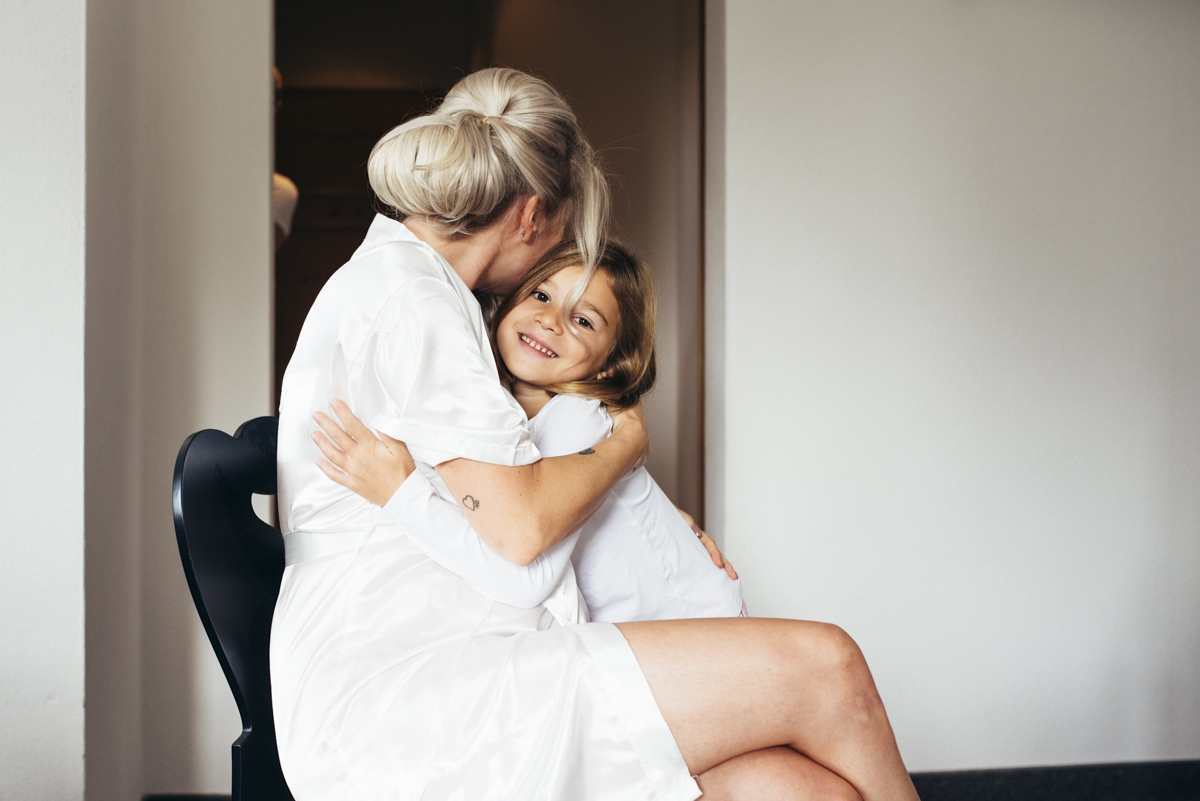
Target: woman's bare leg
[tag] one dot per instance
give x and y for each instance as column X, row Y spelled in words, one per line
column 778, row 774
column 731, row 686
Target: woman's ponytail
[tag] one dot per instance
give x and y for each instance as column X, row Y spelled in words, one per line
column 499, row 135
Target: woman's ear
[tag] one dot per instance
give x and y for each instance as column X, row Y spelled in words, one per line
column 530, row 216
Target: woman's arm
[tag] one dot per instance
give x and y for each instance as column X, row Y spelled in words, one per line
column 518, row 511
column 444, row 535
column 521, row 511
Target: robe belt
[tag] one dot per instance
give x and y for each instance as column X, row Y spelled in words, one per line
column 301, row 546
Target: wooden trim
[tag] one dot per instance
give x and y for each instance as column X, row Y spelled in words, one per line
column 1131, row 781
column 702, row 389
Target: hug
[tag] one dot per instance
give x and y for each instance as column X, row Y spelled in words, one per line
column 486, row 595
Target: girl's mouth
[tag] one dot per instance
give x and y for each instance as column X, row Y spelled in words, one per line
column 538, row 346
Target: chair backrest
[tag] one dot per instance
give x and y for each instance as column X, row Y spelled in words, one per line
column 234, row 563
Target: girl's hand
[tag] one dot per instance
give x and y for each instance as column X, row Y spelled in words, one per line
column 367, row 465
column 631, row 422
column 718, row 559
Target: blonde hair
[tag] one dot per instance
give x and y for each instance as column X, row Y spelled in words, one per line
column 499, row 136
column 631, row 367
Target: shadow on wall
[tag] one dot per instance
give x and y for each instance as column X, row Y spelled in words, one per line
column 178, row 340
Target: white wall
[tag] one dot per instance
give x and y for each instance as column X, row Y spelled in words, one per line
column 631, row 70
column 41, row 357
column 958, row 385
column 178, row 333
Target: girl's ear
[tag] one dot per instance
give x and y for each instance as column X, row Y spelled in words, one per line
column 604, row 374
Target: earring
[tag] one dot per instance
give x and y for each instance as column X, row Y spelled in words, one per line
column 522, row 233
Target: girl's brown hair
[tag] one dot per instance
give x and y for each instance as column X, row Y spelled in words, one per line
column 630, row 369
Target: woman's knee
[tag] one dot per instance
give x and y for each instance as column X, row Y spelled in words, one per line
column 835, row 656
column 829, row 647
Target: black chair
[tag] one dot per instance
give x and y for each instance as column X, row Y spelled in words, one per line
column 234, row 563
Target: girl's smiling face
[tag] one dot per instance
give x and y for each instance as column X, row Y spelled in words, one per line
column 536, row 343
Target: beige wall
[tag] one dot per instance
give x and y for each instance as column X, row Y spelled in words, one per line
column 956, row 371
column 178, row 327
column 41, row 357
column 631, row 71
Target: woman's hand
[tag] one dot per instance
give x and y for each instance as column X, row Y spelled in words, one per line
column 631, row 422
column 718, row 558
column 368, row 465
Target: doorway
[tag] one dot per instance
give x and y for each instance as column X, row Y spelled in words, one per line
column 631, row 70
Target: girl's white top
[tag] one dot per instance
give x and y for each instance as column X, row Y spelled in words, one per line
column 392, row 678
column 635, row 558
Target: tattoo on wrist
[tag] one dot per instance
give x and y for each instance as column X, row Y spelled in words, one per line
column 470, row 502
column 587, row 451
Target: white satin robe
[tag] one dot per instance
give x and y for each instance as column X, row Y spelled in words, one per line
column 392, row 678
column 634, row 559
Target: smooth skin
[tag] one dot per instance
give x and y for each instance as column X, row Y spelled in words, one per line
column 734, row 690
column 542, row 342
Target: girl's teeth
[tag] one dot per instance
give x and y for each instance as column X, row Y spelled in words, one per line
column 536, row 346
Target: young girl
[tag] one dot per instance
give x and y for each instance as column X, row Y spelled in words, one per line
column 565, row 349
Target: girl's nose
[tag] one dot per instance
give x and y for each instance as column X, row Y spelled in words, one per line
column 550, row 320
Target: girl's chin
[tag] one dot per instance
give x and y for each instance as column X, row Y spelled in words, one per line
column 523, row 388
column 529, row 373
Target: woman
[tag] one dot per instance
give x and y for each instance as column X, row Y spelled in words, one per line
column 391, row 677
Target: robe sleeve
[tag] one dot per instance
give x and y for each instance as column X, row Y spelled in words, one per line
column 441, row 395
column 568, row 425
column 441, row 531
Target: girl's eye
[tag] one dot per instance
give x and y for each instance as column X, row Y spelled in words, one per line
column 540, row 295
column 583, row 322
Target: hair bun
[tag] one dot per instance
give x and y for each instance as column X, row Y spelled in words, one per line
column 499, row 135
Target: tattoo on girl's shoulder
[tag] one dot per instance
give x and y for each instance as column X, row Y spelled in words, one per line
column 470, row 502
column 587, row 451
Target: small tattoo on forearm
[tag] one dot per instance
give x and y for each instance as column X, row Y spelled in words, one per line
column 470, row 502
column 587, row 451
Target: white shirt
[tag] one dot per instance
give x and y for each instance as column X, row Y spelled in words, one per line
column 635, row 559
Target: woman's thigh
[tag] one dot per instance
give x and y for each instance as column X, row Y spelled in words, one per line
column 779, row 774
column 730, row 686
